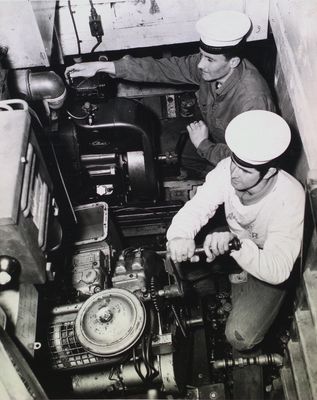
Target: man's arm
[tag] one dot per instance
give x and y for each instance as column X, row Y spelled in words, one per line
column 181, row 249
column 89, row 69
column 215, row 152
column 274, row 263
column 197, row 212
column 198, row 134
column 173, row 70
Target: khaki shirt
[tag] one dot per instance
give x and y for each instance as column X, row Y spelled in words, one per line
column 244, row 90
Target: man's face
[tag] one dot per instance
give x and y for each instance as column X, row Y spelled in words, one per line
column 243, row 178
column 213, row 66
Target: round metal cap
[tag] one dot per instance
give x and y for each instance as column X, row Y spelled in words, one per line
column 110, row 322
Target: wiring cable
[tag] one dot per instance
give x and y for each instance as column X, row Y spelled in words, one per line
column 154, row 373
column 96, row 45
column 74, row 25
column 136, row 363
column 82, row 117
column 144, row 359
column 94, row 19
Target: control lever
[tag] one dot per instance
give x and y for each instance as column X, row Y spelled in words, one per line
column 174, row 269
column 234, row 244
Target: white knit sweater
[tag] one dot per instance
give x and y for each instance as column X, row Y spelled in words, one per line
column 270, row 230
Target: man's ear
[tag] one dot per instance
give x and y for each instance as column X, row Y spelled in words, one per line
column 234, row 62
column 270, row 173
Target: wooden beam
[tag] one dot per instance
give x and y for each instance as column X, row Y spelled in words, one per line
column 308, row 342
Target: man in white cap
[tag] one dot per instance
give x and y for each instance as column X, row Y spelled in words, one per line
column 264, row 208
column 228, row 84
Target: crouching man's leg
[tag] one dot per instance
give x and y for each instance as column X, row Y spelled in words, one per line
column 255, row 305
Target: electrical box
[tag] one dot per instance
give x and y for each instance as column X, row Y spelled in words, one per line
column 27, row 29
column 26, row 193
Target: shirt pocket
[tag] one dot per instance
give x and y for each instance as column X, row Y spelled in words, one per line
column 220, row 124
column 203, row 101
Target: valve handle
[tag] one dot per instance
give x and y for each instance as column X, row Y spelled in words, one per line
column 9, row 269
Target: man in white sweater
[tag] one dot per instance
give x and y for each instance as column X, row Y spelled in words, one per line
column 264, row 208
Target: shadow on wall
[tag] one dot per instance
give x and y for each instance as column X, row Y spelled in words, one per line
column 294, row 160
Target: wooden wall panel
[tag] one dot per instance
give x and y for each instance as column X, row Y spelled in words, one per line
column 44, row 12
column 294, row 27
column 142, row 23
column 296, row 161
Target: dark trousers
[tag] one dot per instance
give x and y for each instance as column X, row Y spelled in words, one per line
column 255, row 305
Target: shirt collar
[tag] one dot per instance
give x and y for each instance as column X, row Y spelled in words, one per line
column 231, row 81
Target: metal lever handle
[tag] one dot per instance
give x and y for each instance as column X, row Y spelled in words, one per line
column 234, row 244
column 171, row 269
column 174, row 269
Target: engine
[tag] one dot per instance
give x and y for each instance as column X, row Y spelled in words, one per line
column 117, row 149
column 125, row 326
column 118, row 317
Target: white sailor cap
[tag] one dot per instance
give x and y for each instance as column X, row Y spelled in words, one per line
column 223, row 28
column 257, row 137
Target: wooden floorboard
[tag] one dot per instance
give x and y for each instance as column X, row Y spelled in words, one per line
column 308, row 342
column 298, row 370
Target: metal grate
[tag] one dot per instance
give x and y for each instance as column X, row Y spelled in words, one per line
column 66, row 352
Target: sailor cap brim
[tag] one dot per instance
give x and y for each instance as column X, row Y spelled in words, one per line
column 258, row 136
column 223, row 28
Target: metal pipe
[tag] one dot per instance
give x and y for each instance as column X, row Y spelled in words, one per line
column 100, row 167
column 66, row 309
column 102, row 172
column 122, row 377
column 263, row 359
column 168, row 158
column 198, row 250
column 86, row 158
column 192, row 322
column 169, row 291
column 46, row 85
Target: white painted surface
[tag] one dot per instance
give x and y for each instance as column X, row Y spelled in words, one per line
column 19, row 31
column 142, row 23
column 295, row 30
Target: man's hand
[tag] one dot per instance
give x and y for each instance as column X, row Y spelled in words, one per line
column 181, row 249
column 217, row 243
column 89, row 69
column 198, row 131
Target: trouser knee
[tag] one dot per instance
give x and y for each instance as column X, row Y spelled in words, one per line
column 239, row 339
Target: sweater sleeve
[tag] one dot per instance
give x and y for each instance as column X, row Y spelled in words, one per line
column 197, row 211
column 274, row 262
column 172, row 70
